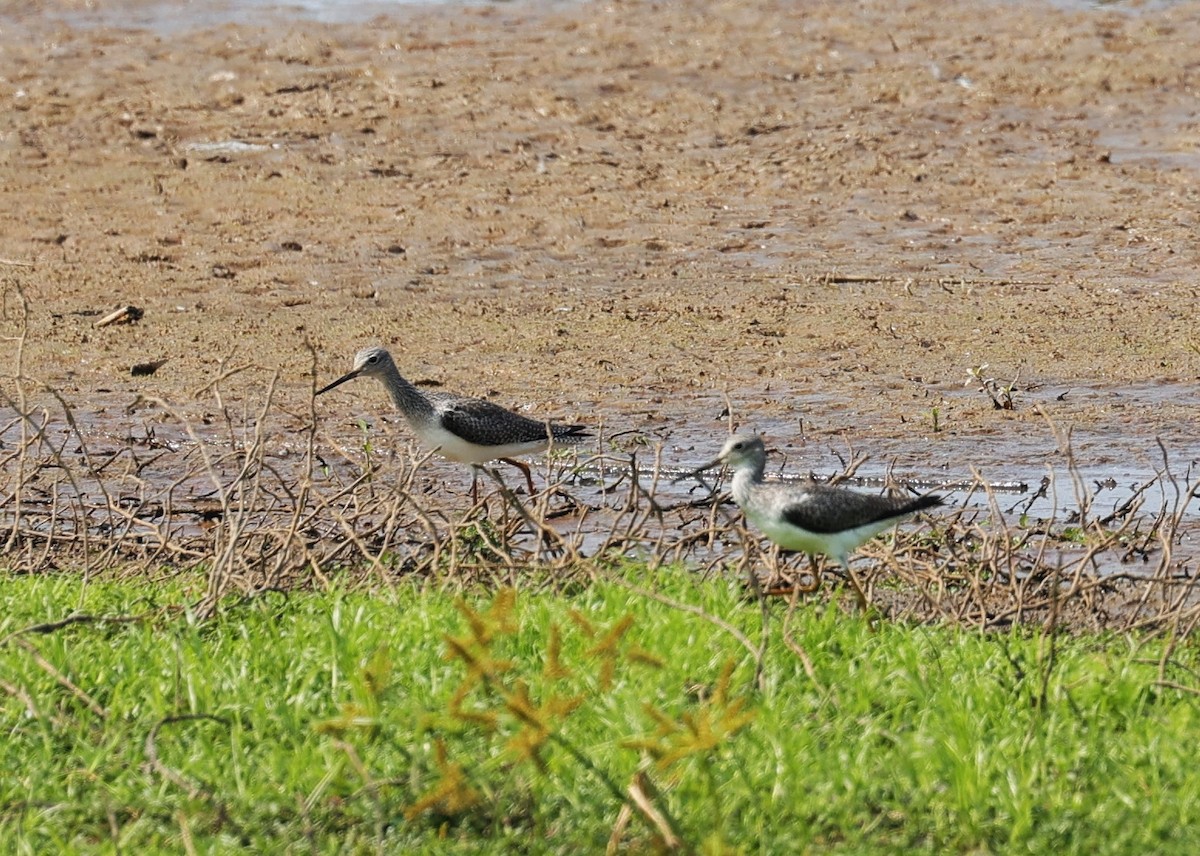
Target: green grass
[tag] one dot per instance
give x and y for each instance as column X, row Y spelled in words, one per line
column 334, row 724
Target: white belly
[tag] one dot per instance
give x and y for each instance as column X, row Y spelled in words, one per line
column 836, row 545
column 454, row 448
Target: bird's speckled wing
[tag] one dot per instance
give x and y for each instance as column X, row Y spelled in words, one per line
column 825, row 510
column 484, row 423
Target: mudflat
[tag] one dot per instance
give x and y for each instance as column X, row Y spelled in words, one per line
column 845, row 218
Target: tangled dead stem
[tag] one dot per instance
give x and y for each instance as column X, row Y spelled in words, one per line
column 221, row 501
column 975, row 197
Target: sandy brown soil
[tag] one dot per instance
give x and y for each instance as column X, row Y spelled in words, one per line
column 618, row 210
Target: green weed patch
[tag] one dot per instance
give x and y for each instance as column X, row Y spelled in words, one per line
column 415, row 720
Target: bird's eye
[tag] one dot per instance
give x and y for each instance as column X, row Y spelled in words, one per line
column 738, row 446
column 374, row 358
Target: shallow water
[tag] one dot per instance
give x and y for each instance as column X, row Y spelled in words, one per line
column 181, row 15
column 173, row 16
column 149, row 460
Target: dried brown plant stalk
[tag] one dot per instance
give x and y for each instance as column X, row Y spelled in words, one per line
column 167, row 493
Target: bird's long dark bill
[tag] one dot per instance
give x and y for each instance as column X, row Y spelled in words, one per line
column 715, row 462
column 338, row 382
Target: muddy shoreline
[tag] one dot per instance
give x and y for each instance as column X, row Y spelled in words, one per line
column 623, row 213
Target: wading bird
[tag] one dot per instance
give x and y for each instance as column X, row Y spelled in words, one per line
column 810, row 517
column 458, row 427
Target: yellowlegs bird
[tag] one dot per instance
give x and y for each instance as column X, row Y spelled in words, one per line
column 458, row 427
column 810, row 517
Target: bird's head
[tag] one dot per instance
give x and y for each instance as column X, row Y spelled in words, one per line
column 739, row 450
column 369, row 362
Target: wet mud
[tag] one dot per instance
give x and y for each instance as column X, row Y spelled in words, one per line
column 869, row 229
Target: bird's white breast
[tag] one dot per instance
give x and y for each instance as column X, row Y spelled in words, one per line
column 454, row 448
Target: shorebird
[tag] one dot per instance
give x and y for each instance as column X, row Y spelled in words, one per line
column 458, row 427
column 810, row 517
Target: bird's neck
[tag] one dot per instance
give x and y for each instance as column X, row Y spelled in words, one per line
column 411, row 402
column 745, row 478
